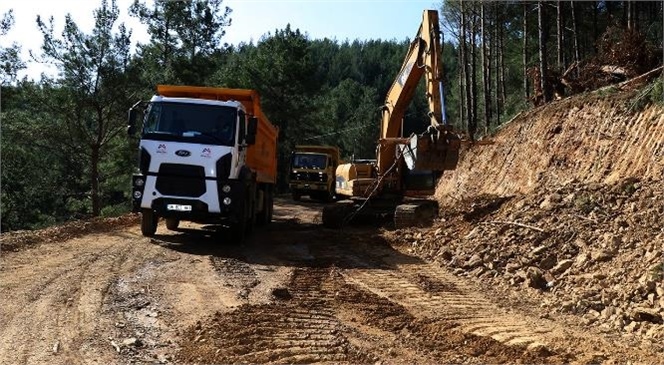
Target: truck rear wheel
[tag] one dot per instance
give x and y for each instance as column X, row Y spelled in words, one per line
column 270, row 207
column 239, row 231
column 296, row 195
column 265, row 216
column 149, row 222
column 172, row 223
column 251, row 220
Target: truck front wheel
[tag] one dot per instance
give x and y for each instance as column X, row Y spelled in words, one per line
column 172, row 223
column 148, row 222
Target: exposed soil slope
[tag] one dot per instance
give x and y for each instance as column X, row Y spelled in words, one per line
column 563, row 214
column 587, row 138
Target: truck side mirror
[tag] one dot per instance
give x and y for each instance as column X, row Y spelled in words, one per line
column 252, row 129
column 131, row 122
column 131, row 118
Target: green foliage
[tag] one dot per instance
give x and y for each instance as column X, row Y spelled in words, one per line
column 652, row 93
column 185, row 40
column 10, row 61
column 116, row 209
column 64, row 153
column 35, row 180
column 88, row 102
column 352, row 119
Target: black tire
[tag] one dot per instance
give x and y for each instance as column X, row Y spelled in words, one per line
column 172, row 223
column 270, row 207
column 149, row 222
column 251, row 220
column 296, row 195
column 265, row 215
column 239, row 231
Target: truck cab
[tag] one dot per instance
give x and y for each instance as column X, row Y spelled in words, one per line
column 312, row 172
column 194, row 162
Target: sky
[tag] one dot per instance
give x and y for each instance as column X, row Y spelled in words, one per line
column 334, row 19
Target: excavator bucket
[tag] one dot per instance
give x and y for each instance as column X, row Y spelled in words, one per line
column 433, row 152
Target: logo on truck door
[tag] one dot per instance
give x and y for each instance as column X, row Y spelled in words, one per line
column 183, row 153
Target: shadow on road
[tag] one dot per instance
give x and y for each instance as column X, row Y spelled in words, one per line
column 291, row 240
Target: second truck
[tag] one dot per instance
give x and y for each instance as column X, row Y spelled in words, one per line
column 312, row 171
column 206, row 155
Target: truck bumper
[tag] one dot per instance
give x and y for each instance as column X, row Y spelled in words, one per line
column 308, row 186
column 231, row 203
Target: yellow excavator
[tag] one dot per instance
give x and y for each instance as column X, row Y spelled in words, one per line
column 406, row 169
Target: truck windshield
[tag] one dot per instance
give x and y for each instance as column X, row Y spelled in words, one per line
column 197, row 123
column 309, row 161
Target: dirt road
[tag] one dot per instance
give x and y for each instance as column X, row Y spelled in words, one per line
column 294, row 293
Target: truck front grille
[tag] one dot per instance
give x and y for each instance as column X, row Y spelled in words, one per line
column 308, row 176
column 181, row 180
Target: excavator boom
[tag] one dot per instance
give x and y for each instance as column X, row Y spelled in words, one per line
column 422, row 56
column 437, row 148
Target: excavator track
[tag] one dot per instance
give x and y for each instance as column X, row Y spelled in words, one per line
column 415, row 214
column 336, row 215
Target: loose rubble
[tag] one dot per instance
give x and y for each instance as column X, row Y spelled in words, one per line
column 591, row 250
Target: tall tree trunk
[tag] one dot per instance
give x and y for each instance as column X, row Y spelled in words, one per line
column 635, row 15
column 576, row 38
column 473, row 69
column 595, row 28
column 486, row 71
column 526, row 92
column 559, row 35
column 501, row 66
column 466, row 70
column 462, row 94
column 542, row 51
column 496, row 62
column 94, row 180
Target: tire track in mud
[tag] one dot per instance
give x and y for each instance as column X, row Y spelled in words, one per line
column 428, row 291
column 62, row 302
column 300, row 326
column 448, row 299
column 236, row 274
column 324, row 315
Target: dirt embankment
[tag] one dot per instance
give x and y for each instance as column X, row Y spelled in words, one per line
column 588, row 139
column 563, row 212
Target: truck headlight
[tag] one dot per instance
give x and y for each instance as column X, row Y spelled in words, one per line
column 227, row 201
column 139, row 182
column 137, row 194
column 226, row 189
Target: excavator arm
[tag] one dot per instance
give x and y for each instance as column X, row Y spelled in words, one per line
column 422, row 58
column 437, row 148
